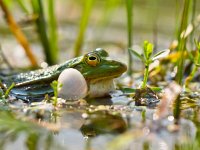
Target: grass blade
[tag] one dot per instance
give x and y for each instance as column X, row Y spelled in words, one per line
column 53, row 37
column 23, row 6
column 182, row 41
column 129, row 9
column 137, row 54
column 42, row 30
column 82, row 27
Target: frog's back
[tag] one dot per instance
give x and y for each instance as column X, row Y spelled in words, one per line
column 31, row 77
column 39, row 76
column 33, row 85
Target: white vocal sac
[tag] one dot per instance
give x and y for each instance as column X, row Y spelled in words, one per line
column 74, row 85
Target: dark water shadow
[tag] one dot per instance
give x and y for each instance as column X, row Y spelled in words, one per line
column 100, row 101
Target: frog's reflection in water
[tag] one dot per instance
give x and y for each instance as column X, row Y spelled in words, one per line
column 103, row 122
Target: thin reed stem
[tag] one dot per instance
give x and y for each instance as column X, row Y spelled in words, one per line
column 129, row 8
column 42, row 30
column 53, row 37
column 82, row 27
column 146, row 74
column 182, row 41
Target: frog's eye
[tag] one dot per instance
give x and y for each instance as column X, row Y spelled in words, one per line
column 92, row 59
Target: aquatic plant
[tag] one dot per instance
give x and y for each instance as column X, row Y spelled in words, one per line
column 55, row 85
column 82, row 27
column 22, row 4
column 147, row 58
column 129, row 9
column 52, row 30
column 4, row 93
column 143, row 114
column 8, row 90
column 182, row 39
column 49, row 41
column 196, row 61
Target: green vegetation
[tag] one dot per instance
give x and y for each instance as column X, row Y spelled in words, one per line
column 5, row 92
column 147, row 58
column 8, row 90
column 55, row 85
column 52, row 30
column 182, row 40
column 129, row 8
column 196, row 61
column 49, row 42
column 82, row 27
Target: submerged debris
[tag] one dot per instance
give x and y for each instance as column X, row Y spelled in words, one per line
column 146, row 97
column 171, row 92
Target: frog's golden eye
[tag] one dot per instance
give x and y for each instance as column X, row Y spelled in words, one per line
column 92, row 59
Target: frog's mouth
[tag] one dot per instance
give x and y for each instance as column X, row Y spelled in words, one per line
column 100, row 88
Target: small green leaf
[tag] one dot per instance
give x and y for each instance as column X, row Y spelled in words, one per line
column 137, row 54
column 128, row 90
column 161, row 54
column 9, row 89
column 148, row 49
column 156, row 89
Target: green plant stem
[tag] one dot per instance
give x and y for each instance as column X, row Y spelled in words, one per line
column 177, row 110
column 191, row 76
column 22, row 5
column 41, row 27
column 182, row 42
column 143, row 115
column 129, row 8
column 82, row 27
column 181, row 63
column 53, row 37
column 9, row 89
column 181, row 48
column 194, row 70
column 146, row 74
column 177, row 12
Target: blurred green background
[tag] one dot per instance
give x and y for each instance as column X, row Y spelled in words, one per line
column 61, row 29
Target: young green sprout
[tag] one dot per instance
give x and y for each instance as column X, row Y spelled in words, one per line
column 147, row 58
column 55, row 85
column 196, row 61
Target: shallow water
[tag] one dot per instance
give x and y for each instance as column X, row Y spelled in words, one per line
column 99, row 124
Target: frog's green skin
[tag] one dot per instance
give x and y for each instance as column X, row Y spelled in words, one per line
column 33, row 84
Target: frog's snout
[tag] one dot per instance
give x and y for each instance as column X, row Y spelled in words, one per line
column 120, row 67
column 123, row 67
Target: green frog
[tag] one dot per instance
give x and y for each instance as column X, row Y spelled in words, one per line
column 96, row 67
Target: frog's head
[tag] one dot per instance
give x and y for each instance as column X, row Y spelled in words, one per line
column 99, row 71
